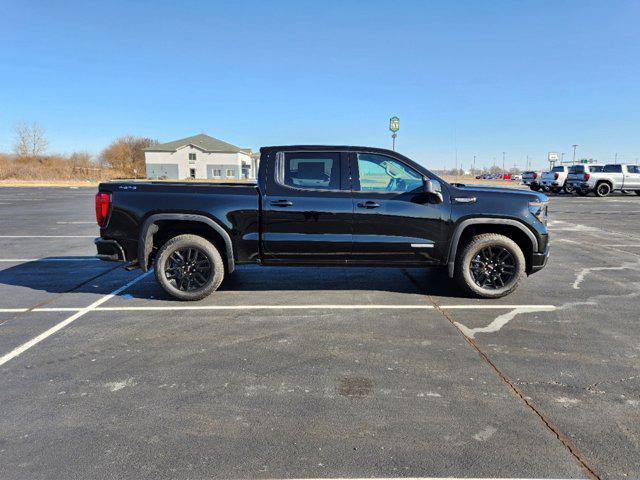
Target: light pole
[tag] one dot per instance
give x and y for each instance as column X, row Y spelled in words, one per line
column 574, row 152
column 394, row 126
column 503, row 170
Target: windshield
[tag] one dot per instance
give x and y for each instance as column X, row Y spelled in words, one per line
column 557, row 169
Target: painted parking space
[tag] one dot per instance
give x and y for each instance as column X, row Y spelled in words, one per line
column 309, row 358
column 366, row 392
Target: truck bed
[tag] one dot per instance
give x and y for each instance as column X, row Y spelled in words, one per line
column 233, row 206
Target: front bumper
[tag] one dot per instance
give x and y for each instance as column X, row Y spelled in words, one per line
column 539, row 260
column 110, row 250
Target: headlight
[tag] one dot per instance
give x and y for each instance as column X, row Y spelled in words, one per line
column 539, row 210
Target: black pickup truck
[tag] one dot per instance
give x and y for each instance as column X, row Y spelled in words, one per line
column 322, row 205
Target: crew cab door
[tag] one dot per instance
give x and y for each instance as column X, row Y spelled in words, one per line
column 632, row 177
column 307, row 212
column 394, row 221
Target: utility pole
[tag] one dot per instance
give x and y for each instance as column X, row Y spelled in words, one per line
column 574, row 152
column 503, row 170
column 615, row 158
column 474, row 164
column 528, row 163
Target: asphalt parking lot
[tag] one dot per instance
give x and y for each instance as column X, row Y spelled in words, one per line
column 326, row 372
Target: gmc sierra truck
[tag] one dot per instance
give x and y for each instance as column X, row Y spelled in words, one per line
column 322, row 205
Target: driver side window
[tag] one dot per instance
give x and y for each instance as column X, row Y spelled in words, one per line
column 379, row 173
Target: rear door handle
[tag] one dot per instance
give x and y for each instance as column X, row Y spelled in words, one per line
column 281, row 203
column 368, row 204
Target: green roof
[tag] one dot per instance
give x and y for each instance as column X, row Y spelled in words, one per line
column 202, row 141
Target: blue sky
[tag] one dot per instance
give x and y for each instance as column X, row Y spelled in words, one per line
column 523, row 77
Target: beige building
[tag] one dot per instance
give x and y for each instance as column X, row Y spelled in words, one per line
column 199, row 157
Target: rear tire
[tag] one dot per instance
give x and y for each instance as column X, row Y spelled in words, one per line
column 637, row 192
column 568, row 188
column 490, row 266
column 189, row 267
column 535, row 188
column 583, row 192
column 556, row 189
column 602, row 189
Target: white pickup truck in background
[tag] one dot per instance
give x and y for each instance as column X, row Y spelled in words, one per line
column 532, row 180
column 579, row 176
column 555, row 180
column 613, row 177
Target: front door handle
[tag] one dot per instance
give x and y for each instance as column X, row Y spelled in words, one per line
column 281, row 203
column 368, row 204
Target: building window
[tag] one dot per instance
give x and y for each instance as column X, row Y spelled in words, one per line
column 217, row 173
column 231, row 172
column 192, row 172
column 192, row 157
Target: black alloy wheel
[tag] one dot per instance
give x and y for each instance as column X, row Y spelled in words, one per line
column 493, row 267
column 603, row 189
column 188, row 269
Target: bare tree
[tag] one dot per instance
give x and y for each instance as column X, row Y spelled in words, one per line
column 30, row 140
column 126, row 154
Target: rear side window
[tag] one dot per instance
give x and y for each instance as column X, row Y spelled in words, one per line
column 612, row 169
column 576, row 169
column 557, row 169
column 310, row 170
column 633, row 169
column 595, row 168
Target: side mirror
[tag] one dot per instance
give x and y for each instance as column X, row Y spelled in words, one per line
column 431, row 190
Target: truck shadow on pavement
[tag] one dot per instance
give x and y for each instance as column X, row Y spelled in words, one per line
column 86, row 275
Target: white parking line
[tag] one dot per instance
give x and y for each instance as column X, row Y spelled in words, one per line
column 170, row 308
column 13, row 310
column 47, row 236
column 34, row 341
column 45, row 259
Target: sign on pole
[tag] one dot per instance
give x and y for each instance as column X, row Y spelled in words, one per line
column 553, row 156
column 394, row 124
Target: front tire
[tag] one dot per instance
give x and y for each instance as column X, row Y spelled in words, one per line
column 189, row 267
column 490, row 266
column 583, row 192
column 568, row 188
column 535, row 188
column 637, row 192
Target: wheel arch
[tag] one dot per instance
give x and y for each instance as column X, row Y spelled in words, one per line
column 523, row 236
column 170, row 224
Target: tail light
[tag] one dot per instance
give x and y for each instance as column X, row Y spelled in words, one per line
column 555, row 176
column 103, row 202
column 586, row 177
column 535, row 175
